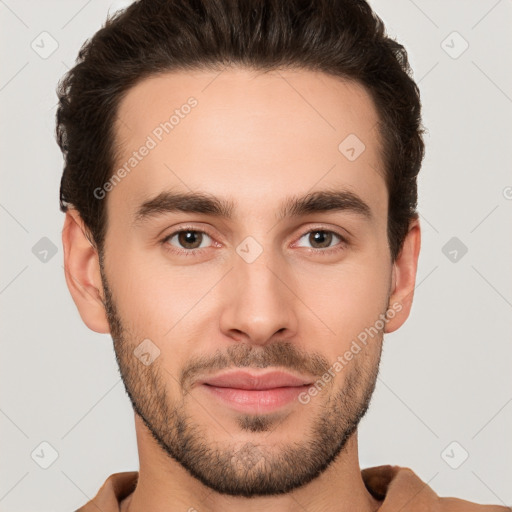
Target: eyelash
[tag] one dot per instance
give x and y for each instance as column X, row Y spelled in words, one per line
column 193, row 252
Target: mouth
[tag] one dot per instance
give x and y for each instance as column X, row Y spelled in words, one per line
column 255, row 392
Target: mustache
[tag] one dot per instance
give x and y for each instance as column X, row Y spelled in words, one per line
column 279, row 354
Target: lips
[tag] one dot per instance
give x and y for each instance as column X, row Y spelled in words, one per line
column 254, row 393
column 255, row 381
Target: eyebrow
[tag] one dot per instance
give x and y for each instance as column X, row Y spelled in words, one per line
column 295, row 206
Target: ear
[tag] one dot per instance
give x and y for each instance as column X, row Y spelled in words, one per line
column 403, row 278
column 82, row 271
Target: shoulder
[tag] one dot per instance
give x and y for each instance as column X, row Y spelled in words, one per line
column 458, row 505
column 400, row 487
column 116, row 487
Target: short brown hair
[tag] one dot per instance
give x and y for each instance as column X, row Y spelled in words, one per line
column 343, row 38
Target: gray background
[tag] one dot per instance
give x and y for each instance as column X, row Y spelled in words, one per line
column 445, row 375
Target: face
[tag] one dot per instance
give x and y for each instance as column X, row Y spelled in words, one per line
column 278, row 262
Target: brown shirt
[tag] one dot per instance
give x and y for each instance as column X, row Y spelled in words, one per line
column 398, row 488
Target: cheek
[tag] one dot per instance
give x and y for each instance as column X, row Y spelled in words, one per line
column 347, row 300
column 163, row 303
column 143, row 298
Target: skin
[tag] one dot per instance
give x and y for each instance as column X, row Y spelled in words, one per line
column 254, row 139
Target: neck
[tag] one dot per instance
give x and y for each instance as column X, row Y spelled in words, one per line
column 164, row 485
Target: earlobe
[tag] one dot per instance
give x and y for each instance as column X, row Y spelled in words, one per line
column 82, row 272
column 404, row 278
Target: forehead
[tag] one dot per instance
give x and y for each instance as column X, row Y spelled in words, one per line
column 255, row 136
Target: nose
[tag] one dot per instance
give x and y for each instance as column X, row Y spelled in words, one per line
column 259, row 303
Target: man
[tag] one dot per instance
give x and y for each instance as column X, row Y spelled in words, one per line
column 240, row 198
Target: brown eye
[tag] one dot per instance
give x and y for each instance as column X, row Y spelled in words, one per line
column 188, row 239
column 319, row 239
